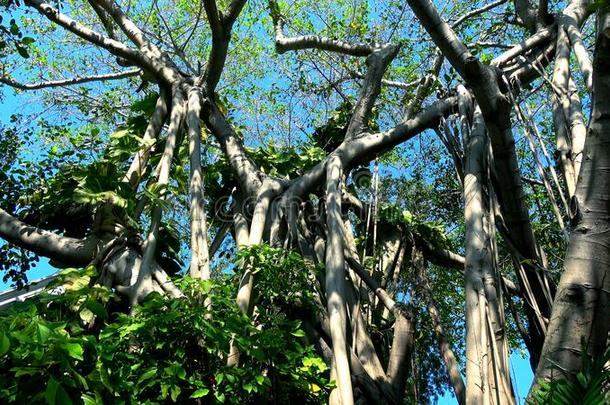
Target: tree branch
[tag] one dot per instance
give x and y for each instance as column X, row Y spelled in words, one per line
column 335, row 282
column 158, row 61
column 221, row 26
column 248, row 174
column 377, row 63
column 284, row 44
column 476, row 12
column 71, row 251
column 200, row 259
column 69, row 82
column 140, row 160
column 111, row 45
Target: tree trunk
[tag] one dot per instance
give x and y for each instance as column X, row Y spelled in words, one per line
column 581, row 307
column 487, row 378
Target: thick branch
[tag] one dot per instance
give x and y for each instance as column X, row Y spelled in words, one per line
column 140, row 160
column 366, row 147
column 71, row 251
column 248, row 174
column 200, row 260
column 158, row 61
column 145, row 271
column 132, row 31
column 69, row 82
column 221, row 25
column 114, row 47
column 540, row 38
column 377, row 64
column 284, row 44
column 335, row 282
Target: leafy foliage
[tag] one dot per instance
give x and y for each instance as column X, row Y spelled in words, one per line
column 78, row 346
column 590, row 386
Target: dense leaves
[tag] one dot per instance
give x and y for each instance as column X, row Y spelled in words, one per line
column 72, row 346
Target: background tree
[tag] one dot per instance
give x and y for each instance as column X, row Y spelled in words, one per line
column 360, row 168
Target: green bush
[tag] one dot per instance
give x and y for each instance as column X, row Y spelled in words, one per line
column 590, row 386
column 80, row 347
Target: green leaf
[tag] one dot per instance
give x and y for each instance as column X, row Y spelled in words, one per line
column 22, row 51
column 56, row 394
column 97, row 308
column 51, row 391
column 43, row 333
column 14, row 27
column 219, row 378
column 298, row 333
column 175, row 392
column 148, row 374
column 5, row 344
column 201, row 392
column 88, row 399
column 74, row 350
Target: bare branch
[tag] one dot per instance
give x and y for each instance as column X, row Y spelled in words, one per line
column 104, row 18
column 132, row 31
column 443, row 35
column 211, row 11
column 69, row 82
column 157, row 60
column 71, row 251
column 366, row 147
column 377, row 63
column 233, row 12
column 284, row 44
column 138, row 164
column 248, row 174
column 221, row 35
column 540, row 38
column 527, row 14
column 113, row 46
column 476, row 12
column 389, row 83
column 572, row 18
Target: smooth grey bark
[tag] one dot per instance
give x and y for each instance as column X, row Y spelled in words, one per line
column 70, row 82
column 249, row 176
column 487, row 374
column 144, row 271
column 582, row 304
column 254, row 235
column 453, row 369
column 200, row 258
column 70, row 251
column 570, row 130
column 377, row 63
column 526, row 12
column 335, row 282
column 403, row 339
column 284, row 44
column 153, row 129
column 221, row 25
column 490, row 92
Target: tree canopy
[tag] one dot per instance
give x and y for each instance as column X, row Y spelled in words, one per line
column 273, row 201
